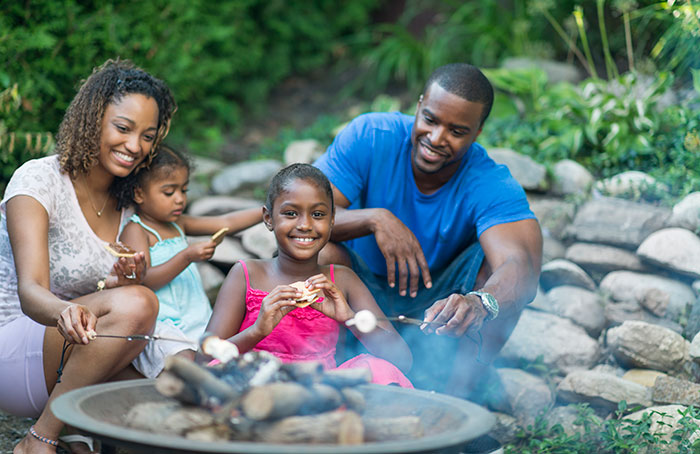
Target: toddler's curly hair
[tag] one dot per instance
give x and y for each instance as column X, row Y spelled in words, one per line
column 78, row 139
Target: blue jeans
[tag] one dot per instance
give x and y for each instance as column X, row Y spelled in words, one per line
column 433, row 355
column 457, row 277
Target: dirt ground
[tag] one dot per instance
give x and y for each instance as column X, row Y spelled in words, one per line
column 12, row 430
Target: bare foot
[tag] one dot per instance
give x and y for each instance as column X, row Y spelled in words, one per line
column 30, row 445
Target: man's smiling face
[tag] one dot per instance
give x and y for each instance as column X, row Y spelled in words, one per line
column 446, row 125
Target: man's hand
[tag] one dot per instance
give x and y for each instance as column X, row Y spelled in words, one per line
column 460, row 312
column 401, row 248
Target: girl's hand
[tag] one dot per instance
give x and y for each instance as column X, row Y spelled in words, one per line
column 274, row 306
column 127, row 271
column 74, row 322
column 334, row 305
column 200, row 252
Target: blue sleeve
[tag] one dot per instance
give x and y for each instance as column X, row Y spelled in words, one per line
column 503, row 201
column 347, row 160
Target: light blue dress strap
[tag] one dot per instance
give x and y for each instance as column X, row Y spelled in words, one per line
column 135, row 218
column 182, row 234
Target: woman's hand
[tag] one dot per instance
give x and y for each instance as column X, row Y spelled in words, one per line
column 334, row 304
column 274, row 306
column 74, row 322
column 127, row 271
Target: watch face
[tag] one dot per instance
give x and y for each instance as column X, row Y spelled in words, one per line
column 490, row 304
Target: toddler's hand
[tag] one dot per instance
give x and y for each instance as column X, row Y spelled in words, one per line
column 200, row 252
column 334, row 305
column 274, row 306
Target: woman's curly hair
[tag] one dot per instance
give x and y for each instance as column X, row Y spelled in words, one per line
column 78, row 139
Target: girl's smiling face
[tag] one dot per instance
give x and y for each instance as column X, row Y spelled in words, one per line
column 301, row 218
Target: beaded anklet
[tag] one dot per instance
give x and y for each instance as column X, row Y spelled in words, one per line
column 40, row 438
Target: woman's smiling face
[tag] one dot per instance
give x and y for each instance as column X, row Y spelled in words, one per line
column 129, row 129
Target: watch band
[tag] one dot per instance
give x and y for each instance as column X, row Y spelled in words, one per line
column 490, row 303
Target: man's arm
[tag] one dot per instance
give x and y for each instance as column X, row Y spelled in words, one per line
column 513, row 254
column 397, row 243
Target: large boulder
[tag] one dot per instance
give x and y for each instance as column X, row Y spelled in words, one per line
column 647, row 346
column 617, row 222
column 557, row 341
column 632, row 286
column 686, row 213
column 601, row 389
column 675, row 249
column 531, row 175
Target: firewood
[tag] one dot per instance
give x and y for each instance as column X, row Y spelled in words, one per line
column 323, row 398
column 353, row 399
column 274, row 400
column 214, row 433
column 340, row 378
column 171, row 386
column 398, row 428
column 167, row 417
column 341, row 427
column 304, row 372
column 207, row 389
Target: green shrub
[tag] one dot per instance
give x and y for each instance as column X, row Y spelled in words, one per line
column 615, row 435
column 220, row 58
column 17, row 146
column 609, row 127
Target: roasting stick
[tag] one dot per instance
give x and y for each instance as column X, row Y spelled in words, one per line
column 145, row 337
column 366, row 321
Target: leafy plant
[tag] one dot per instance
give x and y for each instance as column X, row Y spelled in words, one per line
column 221, row 59
column 616, row 435
column 17, row 146
column 631, row 122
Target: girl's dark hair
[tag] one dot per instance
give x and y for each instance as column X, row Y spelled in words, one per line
column 291, row 173
column 165, row 159
column 78, row 139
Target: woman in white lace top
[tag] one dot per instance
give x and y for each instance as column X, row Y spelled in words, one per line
column 57, row 215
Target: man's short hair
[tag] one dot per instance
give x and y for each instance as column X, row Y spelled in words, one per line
column 465, row 81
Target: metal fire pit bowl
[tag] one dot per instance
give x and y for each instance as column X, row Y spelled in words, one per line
column 100, row 410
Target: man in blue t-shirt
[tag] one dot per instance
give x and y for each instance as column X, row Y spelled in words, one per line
column 419, row 199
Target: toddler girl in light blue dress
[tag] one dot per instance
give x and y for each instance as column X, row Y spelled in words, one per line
column 159, row 193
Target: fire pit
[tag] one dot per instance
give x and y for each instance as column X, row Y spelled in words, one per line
column 100, row 410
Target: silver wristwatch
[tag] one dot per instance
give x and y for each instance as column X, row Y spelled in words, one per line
column 489, row 302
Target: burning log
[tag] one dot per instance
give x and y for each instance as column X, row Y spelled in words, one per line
column 341, row 427
column 171, row 386
column 278, row 400
column 305, row 372
column 255, row 397
column 353, row 399
column 399, row 428
column 341, row 378
column 199, row 386
column 274, row 400
column 168, row 417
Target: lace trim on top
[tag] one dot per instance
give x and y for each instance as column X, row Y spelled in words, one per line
column 254, row 297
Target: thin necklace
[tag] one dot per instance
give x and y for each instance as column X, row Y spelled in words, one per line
column 87, row 189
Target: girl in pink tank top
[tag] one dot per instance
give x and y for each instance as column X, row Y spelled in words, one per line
column 256, row 307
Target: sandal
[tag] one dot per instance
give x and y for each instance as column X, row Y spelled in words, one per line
column 77, row 438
